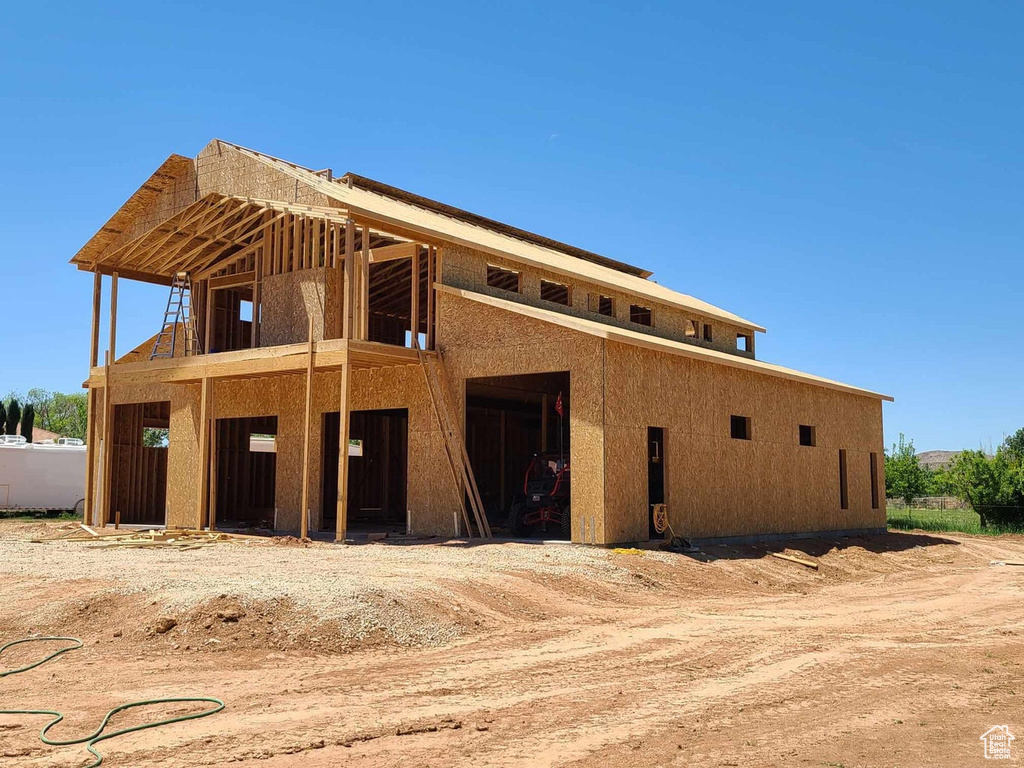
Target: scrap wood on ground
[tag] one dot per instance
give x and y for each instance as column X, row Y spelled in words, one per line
column 178, row 538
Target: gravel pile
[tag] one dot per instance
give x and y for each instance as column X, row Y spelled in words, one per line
column 404, row 593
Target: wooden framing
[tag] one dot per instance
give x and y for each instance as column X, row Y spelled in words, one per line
column 211, row 512
column 113, row 317
column 205, row 224
column 94, row 337
column 431, row 298
column 349, row 300
column 108, row 434
column 307, row 418
column 364, row 289
column 90, row 454
column 341, row 530
column 202, row 498
column 414, row 309
column 257, row 287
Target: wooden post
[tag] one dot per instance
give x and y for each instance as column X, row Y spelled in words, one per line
column 204, row 452
column 257, row 286
column 108, row 439
column 350, row 240
column 414, row 309
column 431, row 263
column 97, row 298
column 209, row 318
column 90, row 453
column 304, row 528
column 211, row 515
column 113, row 317
column 364, row 286
column 343, row 432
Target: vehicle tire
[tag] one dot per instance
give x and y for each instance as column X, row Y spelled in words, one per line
column 517, row 526
column 567, row 523
column 80, row 507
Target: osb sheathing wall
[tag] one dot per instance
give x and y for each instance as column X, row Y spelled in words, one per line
column 223, row 169
column 718, row 486
column 467, row 269
column 485, row 341
column 182, row 450
column 290, row 299
column 432, row 496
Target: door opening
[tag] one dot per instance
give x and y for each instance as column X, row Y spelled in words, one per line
column 378, row 463
column 655, row 475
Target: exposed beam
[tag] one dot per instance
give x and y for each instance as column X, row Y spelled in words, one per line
column 237, row 280
column 128, row 274
column 391, row 252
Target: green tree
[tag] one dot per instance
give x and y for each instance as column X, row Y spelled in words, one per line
column 154, row 438
column 3, row 419
column 905, row 478
column 1014, row 446
column 63, row 413
column 13, row 417
column 28, row 419
column 992, row 485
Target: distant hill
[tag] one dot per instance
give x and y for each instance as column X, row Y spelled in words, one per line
column 935, row 459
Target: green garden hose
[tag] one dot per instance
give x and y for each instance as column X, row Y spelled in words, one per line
column 97, row 736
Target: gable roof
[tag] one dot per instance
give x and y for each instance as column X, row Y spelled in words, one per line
column 173, row 168
column 458, row 213
column 390, row 207
column 386, row 210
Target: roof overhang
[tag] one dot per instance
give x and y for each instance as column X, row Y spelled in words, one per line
column 656, row 343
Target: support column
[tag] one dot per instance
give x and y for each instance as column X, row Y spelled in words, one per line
column 431, row 264
column 90, row 455
column 208, row 320
column 304, row 527
column 113, row 317
column 108, row 439
column 257, row 287
column 214, row 470
column 343, row 432
column 364, row 284
column 97, row 297
column 350, row 294
column 204, row 453
column 414, row 309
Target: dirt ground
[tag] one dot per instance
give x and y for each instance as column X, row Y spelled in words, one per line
column 902, row 650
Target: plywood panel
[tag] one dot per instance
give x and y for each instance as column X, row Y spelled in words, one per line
column 719, row 486
column 290, row 299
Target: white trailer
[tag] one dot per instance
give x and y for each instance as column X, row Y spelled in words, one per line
column 35, row 476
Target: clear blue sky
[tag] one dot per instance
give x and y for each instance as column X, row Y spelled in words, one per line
column 847, row 175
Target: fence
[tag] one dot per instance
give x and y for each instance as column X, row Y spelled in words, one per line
column 929, row 502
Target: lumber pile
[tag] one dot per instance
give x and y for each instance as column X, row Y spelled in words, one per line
column 175, row 538
column 799, row 560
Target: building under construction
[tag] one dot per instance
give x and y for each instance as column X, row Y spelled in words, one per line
column 337, row 354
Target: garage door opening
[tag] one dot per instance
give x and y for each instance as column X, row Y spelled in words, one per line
column 138, row 470
column 246, row 472
column 517, row 437
column 378, row 461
